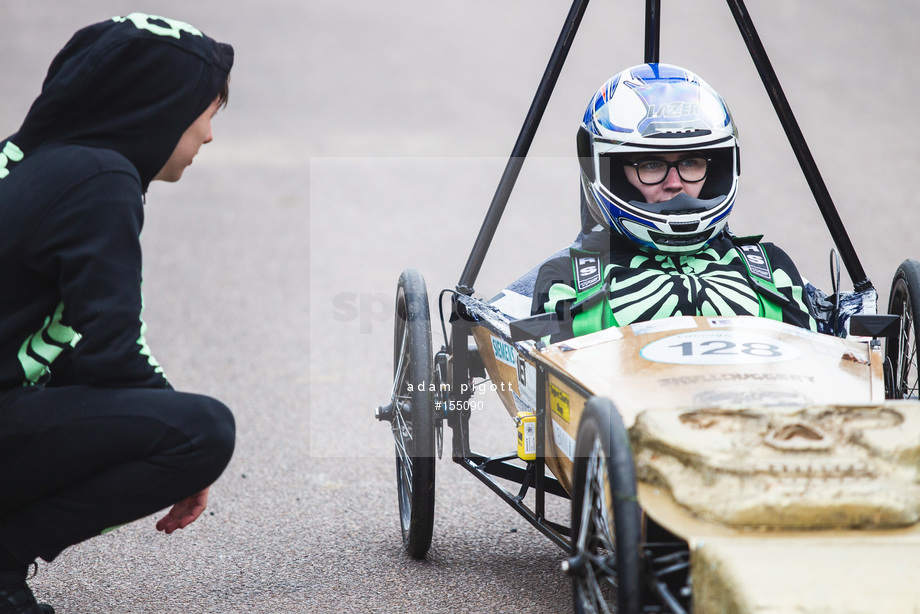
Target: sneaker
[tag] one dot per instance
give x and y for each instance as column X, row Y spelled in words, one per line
column 16, row 597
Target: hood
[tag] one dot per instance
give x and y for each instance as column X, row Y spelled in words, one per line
column 130, row 84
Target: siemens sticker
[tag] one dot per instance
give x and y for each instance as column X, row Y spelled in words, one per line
column 504, row 352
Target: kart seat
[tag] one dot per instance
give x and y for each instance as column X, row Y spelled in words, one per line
column 515, row 299
column 833, row 312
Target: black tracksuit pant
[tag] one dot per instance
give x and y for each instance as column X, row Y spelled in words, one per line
column 75, row 461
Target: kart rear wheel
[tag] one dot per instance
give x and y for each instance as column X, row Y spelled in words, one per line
column 606, row 563
column 901, row 353
column 413, row 414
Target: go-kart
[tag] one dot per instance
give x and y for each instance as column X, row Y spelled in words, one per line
column 714, row 464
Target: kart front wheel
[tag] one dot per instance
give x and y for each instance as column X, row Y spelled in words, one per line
column 412, row 414
column 606, row 564
column 901, row 353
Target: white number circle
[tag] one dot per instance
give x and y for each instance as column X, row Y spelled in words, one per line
column 718, row 348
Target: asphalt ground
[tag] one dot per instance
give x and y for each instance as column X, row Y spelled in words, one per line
column 363, row 138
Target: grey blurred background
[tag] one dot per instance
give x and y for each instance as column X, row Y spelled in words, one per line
column 363, row 138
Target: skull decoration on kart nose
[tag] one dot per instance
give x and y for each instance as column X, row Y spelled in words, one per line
column 827, row 466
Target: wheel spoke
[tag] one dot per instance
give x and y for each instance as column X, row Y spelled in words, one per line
column 406, row 468
column 902, row 354
column 587, row 500
column 910, row 374
column 402, row 433
column 595, row 593
column 600, row 517
column 402, row 430
column 402, row 366
column 404, row 456
column 907, row 383
column 594, row 542
column 600, row 563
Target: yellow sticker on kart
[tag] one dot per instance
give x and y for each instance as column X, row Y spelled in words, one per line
column 719, row 347
column 559, row 402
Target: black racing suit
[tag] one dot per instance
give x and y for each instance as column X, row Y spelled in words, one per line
column 645, row 286
column 91, row 433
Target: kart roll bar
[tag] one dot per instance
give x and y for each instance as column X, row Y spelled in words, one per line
column 858, row 276
column 652, row 37
column 652, row 30
column 521, row 147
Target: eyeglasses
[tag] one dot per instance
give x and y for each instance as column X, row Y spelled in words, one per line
column 654, row 171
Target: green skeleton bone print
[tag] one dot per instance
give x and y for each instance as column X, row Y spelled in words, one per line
column 644, row 286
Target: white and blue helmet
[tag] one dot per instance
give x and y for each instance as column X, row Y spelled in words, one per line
column 658, row 108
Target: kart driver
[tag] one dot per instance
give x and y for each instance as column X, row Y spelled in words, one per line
column 659, row 161
column 91, row 433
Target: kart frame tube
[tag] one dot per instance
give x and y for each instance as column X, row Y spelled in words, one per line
column 521, row 147
column 532, row 476
column 652, row 31
column 797, row 140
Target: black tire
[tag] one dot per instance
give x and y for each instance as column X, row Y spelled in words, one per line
column 413, row 414
column 606, row 564
column 901, row 353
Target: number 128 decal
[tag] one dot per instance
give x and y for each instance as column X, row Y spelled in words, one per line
column 718, row 348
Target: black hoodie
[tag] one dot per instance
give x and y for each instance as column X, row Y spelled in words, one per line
column 115, row 102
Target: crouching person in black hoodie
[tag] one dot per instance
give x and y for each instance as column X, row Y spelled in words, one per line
column 92, row 435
